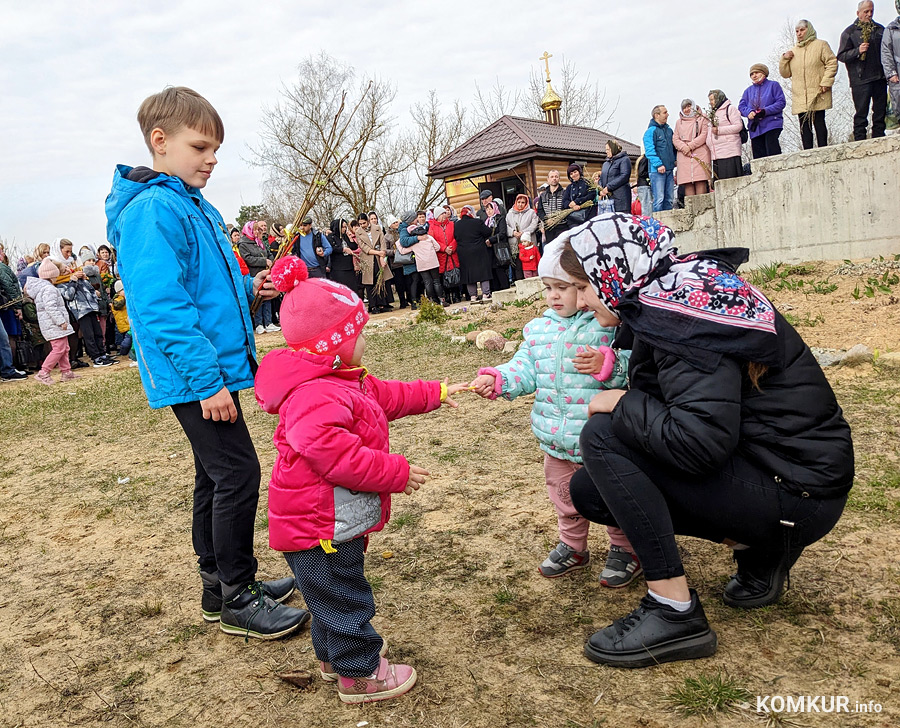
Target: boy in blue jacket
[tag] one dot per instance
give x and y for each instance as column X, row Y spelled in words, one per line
column 193, row 337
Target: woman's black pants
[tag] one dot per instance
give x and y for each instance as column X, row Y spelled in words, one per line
column 652, row 502
column 813, row 120
column 766, row 145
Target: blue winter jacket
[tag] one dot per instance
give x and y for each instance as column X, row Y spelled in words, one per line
column 187, row 299
column 658, row 146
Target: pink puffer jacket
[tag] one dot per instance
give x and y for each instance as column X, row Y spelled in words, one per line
column 334, row 472
column 728, row 142
column 690, row 144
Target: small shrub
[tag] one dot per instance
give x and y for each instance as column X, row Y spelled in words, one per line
column 150, row 609
column 430, row 312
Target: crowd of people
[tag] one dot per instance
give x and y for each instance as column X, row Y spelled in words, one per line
column 705, row 144
column 59, row 307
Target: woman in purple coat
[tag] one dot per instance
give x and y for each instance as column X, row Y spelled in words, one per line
column 763, row 103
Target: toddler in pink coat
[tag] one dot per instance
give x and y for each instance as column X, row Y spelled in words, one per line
column 334, row 473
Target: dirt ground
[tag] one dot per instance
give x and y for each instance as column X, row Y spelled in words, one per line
column 101, row 594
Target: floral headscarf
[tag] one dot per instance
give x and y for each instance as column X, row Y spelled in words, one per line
column 469, row 211
column 521, row 203
column 693, row 305
column 719, row 97
column 492, row 210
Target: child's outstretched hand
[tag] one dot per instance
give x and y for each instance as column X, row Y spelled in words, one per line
column 590, row 361
column 483, row 385
column 451, row 390
column 416, row 479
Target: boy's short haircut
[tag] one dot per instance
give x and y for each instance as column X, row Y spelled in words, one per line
column 175, row 108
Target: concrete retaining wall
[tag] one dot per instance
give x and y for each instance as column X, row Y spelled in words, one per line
column 830, row 204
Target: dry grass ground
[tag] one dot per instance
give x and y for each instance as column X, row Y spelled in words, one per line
column 100, row 598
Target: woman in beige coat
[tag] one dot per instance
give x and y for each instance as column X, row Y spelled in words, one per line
column 373, row 260
column 693, row 162
column 811, row 65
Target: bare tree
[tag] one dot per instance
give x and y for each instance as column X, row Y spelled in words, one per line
column 295, row 136
column 497, row 101
column 433, row 134
column 584, row 102
column 839, row 117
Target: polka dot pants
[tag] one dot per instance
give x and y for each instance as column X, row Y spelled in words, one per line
column 341, row 603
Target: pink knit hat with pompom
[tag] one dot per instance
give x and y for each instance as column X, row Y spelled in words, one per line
column 318, row 315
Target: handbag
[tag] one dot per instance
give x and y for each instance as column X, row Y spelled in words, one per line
column 452, row 276
column 501, row 253
column 604, row 206
column 404, row 258
column 577, row 217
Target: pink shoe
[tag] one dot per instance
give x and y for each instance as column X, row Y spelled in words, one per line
column 389, row 681
column 69, row 376
column 44, row 377
column 325, row 667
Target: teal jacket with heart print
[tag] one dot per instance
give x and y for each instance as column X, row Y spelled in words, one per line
column 544, row 365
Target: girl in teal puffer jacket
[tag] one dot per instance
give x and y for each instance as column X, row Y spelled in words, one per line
column 566, row 359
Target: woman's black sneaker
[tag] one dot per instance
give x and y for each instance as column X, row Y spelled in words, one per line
column 211, row 599
column 760, row 578
column 654, row 633
column 78, row 364
column 251, row 612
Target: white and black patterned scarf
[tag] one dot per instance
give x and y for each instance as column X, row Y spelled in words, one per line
column 693, row 305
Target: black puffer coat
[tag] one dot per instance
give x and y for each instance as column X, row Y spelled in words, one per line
column 616, row 177
column 694, row 421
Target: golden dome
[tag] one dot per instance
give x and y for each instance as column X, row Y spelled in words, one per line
column 551, row 100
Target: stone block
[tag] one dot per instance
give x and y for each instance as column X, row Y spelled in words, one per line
column 529, row 288
column 891, row 360
column 507, row 296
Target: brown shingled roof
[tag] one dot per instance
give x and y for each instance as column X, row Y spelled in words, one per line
column 514, row 136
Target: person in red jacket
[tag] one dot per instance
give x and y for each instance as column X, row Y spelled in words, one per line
column 441, row 228
column 334, row 473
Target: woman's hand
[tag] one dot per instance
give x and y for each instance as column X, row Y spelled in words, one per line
column 574, row 205
column 823, row 89
column 590, row 361
column 416, row 479
column 483, row 385
column 449, row 250
column 788, row 55
column 605, row 401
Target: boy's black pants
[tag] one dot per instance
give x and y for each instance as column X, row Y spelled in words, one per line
column 226, row 492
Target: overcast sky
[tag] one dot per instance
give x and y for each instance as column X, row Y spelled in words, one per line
column 74, row 74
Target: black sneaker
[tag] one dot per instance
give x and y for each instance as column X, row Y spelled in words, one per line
column 253, row 613
column 653, row 633
column 211, row 599
column 78, row 364
column 760, row 578
column 101, row 361
column 15, row 376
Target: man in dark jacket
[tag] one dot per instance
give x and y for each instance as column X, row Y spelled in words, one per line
column 550, row 201
column 860, row 51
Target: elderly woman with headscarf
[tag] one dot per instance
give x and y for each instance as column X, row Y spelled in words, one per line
column 729, row 432
column 615, row 178
column 724, row 137
column 693, row 165
column 812, row 66
column 253, row 247
column 499, row 239
column 475, row 257
column 442, row 229
column 521, row 225
column 763, row 104
column 890, row 59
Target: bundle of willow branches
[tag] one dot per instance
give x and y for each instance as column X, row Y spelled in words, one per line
column 326, row 167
